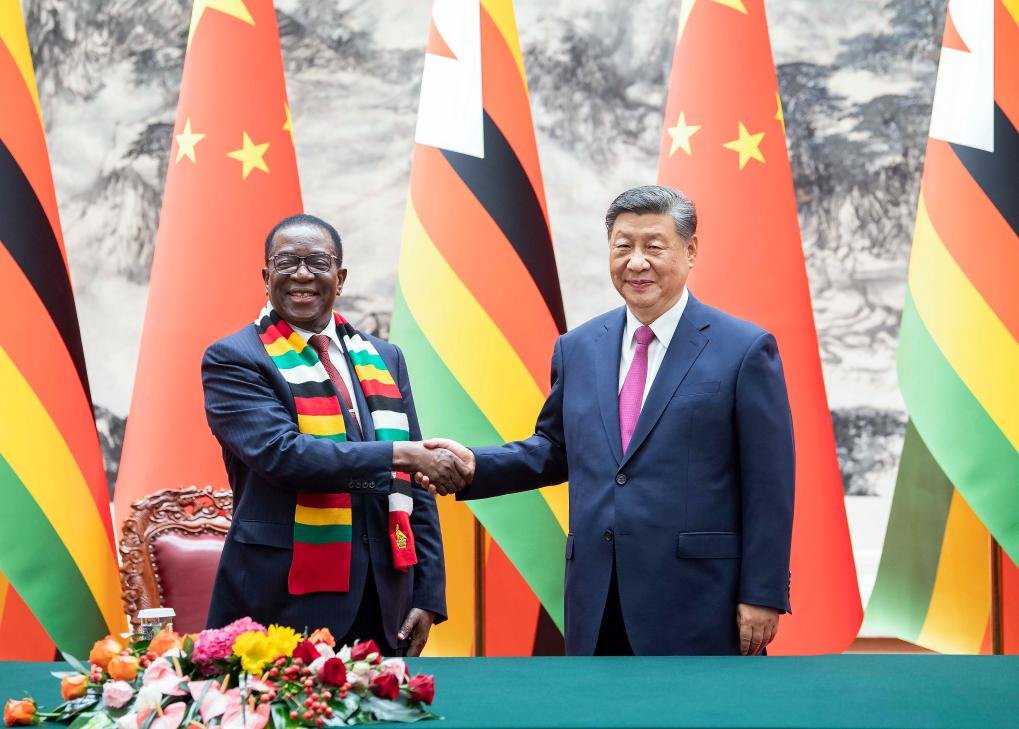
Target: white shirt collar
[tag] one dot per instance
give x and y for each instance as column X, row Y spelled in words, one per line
column 329, row 331
column 663, row 327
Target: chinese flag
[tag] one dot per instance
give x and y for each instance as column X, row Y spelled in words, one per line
column 724, row 145
column 232, row 175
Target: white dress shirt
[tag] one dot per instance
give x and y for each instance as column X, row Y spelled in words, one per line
column 663, row 327
column 338, row 358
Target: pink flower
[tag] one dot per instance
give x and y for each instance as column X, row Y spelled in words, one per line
column 171, row 718
column 161, row 675
column 116, row 694
column 250, row 718
column 214, row 703
column 217, row 644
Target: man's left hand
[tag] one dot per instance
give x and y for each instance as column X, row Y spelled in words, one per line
column 416, row 627
column 757, row 627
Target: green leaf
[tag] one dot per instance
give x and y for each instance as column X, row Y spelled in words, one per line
column 398, row 710
column 94, row 720
column 75, row 663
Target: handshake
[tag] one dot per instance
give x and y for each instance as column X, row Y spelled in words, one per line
column 439, row 465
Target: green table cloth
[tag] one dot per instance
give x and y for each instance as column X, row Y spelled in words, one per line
column 849, row 691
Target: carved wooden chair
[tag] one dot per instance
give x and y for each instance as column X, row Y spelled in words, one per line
column 169, row 551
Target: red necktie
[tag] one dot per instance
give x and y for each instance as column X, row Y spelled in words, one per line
column 632, row 394
column 321, row 344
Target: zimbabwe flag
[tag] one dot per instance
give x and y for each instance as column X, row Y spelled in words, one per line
column 477, row 313
column 56, row 540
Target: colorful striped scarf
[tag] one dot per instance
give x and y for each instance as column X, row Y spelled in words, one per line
column 322, row 520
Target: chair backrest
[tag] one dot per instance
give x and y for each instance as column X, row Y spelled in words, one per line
column 169, row 551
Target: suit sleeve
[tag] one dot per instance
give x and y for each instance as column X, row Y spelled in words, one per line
column 526, row 464
column 430, row 570
column 250, row 421
column 767, row 474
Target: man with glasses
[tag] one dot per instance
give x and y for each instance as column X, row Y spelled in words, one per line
column 316, row 421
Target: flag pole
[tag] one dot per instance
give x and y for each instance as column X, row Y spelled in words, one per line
column 479, row 588
column 997, row 625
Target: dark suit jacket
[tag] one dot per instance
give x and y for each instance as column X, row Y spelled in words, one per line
column 251, row 412
column 697, row 513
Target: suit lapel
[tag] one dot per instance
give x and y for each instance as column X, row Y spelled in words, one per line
column 608, row 348
column 686, row 345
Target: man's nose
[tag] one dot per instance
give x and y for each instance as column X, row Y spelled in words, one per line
column 302, row 272
column 637, row 261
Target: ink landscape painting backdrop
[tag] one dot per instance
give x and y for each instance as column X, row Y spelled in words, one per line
column 856, row 80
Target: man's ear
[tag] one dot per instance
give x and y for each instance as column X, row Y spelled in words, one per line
column 691, row 249
column 341, row 277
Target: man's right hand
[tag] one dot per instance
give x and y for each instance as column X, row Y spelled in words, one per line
column 464, row 454
column 439, row 466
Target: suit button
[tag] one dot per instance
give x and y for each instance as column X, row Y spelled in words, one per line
column 608, row 535
column 621, row 479
column 364, row 539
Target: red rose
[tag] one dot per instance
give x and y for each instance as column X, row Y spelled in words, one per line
column 422, row 688
column 306, row 651
column 385, row 686
column 361, row 651
column 334, row 672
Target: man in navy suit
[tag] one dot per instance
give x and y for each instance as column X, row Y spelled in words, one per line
column 269, row 461
column 671, row 421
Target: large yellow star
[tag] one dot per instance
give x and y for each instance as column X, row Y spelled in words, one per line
column 681, row 134
column 233, row 8
column 734, row 4
column 288, row 125
column 748, row 146
column 778, row 111
column 186, row 142
column 250, row 155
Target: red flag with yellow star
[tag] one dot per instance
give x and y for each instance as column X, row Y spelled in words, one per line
column 724, row 145
column 232, row 174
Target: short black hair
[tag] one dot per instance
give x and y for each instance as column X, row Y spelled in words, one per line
column 655, row 200
column 305, row 219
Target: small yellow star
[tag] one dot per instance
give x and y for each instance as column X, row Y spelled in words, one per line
column 748, row 146
column 681, row 134
column 233, row 8
column 778, row 111
column 186, row 142
column 734, row 4
column 288, row 125
column 250, row 155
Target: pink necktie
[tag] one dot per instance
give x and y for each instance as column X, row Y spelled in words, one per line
column 633, row 386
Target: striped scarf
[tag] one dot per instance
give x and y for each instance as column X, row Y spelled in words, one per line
column 322, row 521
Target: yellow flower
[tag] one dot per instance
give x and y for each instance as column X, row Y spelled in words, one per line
column 283, row 641
column 254, row 649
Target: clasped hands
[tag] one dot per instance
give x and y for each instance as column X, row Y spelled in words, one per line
column 440, row 465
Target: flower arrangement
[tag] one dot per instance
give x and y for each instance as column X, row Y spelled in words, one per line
column 242, row 676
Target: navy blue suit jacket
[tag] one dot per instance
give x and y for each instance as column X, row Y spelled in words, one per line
column 251, row 412
column 697, row 512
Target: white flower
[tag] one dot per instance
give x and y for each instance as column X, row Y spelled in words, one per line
column 316, row 666
column 149, row 697
column 344, row 654
column 174, row 653
column 128, row 721
column 325, row 651
column 361, row 668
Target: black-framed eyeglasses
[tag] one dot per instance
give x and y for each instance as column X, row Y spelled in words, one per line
column 287, row 264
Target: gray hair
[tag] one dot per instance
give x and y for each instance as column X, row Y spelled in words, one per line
column 655, row 200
